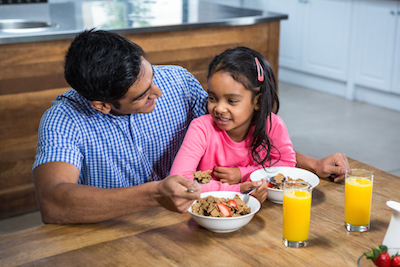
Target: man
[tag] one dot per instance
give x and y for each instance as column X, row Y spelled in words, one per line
column 106, row 146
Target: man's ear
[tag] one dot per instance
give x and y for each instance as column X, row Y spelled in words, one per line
column 103, row 107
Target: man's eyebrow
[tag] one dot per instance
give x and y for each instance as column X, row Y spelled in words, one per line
column 141, row 95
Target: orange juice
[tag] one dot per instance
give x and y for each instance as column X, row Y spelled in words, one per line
column 358, row 193
column 296, row 214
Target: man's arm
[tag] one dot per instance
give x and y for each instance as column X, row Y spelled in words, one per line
column 333, row 166
column 62, row 200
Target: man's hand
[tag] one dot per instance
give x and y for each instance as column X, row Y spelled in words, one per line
column 227, row 174
column 333, row 167
column 173, row 195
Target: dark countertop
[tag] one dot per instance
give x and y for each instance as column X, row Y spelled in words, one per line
column 124, row 17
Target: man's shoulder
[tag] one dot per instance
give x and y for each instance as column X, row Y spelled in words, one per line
column 167, row 68
column 69, row 104
column 171, row 72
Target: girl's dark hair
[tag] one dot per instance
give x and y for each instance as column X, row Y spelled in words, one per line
column 102, row 65
column 240, row 63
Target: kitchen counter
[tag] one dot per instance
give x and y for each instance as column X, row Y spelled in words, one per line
column 66, row 19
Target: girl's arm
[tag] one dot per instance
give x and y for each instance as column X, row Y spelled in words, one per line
column 190, row 154
column 282, row 154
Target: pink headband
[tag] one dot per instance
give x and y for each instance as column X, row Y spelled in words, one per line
column 260, row 71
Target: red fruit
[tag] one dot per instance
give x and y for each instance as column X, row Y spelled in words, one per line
column 383, row 260
column 232, row 203
column 380, row 256
column 395, row 261
column 269, row 184
column 226, row 212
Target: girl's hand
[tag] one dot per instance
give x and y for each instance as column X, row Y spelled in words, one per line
column 227, row 174
column 260, row 193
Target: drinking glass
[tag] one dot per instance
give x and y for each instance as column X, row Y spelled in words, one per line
column 358, row 195
column 296, row 213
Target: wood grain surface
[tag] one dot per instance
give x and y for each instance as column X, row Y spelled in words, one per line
column 31, row 76
column 158, row 237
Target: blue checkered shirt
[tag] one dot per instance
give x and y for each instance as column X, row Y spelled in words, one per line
column 119, row 151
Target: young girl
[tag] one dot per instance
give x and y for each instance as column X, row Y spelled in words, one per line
column 241, row 133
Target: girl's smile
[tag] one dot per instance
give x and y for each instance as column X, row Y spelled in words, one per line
column 231, row 105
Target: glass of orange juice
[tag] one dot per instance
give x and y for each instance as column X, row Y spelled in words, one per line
column 358, row 195
column 296, row 213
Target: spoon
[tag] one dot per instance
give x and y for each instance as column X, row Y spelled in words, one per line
column 248, row 192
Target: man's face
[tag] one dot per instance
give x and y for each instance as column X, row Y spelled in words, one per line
column 142, row 95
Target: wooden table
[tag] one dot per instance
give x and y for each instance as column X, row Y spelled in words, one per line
column 159, row 237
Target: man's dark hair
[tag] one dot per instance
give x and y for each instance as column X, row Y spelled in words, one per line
column 102, row 65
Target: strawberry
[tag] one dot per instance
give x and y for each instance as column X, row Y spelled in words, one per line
column 232, row 203
column 379, row 256
column 224, row 209
column 395, row 260
column 269, row 184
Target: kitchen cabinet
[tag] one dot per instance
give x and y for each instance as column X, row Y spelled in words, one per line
column 377, row 43
column 396, row 68
column 316, row 37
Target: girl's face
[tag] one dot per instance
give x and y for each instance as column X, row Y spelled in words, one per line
column 231, row 105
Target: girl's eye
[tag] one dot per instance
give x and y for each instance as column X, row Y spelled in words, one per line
column 232, row 101
column 210, row 98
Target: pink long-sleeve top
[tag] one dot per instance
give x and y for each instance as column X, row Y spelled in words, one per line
column 206, row 146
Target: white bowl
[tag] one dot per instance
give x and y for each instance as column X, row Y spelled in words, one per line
column 276, row 195
column 227, row 224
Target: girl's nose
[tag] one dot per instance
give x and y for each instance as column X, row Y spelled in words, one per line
column 220, row 108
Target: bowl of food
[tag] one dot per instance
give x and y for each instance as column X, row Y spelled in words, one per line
column 224, row 211
column 276, row 176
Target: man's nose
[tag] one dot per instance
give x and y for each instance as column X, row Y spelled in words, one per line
column 155, row 90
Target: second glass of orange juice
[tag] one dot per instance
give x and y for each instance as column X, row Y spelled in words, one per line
column 296, row 213
column 358, row 195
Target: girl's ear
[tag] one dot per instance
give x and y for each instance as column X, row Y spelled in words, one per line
column 103, row 107
column 256, row 103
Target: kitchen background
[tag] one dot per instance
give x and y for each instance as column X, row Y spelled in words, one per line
column 339, row 72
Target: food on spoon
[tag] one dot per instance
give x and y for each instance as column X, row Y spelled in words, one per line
column 380, row 256
column 202, row 177
column 211, row 206
column 278, row 180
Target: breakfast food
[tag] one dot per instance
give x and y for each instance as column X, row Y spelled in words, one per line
column 277, row 181
column 202, row 177
column 381, row 257
column 220, row 207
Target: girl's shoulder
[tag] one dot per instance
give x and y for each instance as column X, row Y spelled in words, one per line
column 205, row 121
column 275, row 120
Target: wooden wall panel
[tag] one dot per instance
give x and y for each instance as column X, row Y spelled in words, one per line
column 31, row 76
